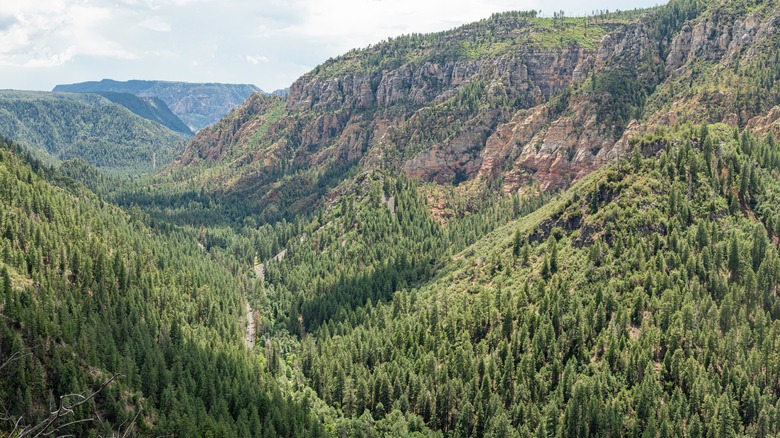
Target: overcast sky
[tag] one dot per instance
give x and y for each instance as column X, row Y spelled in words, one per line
column 268, row 43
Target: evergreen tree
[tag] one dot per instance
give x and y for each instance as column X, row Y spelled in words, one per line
column 6, row 281
column 734, row 258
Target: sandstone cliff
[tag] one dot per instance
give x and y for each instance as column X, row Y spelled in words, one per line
column 526, row 102
column 235, row 129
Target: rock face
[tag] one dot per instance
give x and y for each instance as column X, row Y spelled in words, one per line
column 402, row 95
column 508, row 99
column 770, row 123
column 719, row 59
column 211, row 143
column 541, row 73
column 714, row 39
column 550, row 149
column 556, row 151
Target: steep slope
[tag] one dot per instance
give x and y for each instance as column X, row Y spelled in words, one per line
column 699, row 62
column 89, row 291
column 640, row 301
column 425, row 105
column 151, row 108
column 402, row 291
column 69, row 125
column 197, row 105
column 643, row 300
column 514, row 101
column 721, row 67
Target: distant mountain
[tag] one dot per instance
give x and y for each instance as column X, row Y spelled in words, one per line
column 197, row 105
column 152, row 108
column 88, row 126
column 282, row 92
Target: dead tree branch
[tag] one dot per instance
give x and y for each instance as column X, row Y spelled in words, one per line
column 67, row 406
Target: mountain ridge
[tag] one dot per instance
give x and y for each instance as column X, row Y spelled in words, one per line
column 196, row 104
column 376, row 119
column 89, row 126
column 151, row 108
column 520, row 106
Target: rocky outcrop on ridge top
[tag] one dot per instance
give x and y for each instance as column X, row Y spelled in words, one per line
column 537, row 117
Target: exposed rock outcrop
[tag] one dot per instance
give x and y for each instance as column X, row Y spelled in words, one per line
column 715, row 38
column 211, row 143
column 529, row 108
column 556, row 151
column 769, row 123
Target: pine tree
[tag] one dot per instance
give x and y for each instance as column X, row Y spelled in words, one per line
column 636, row 159
column 725, row 420
column 708, row 149
column 516, row 244
column 6, row 281
column 733, row 258
column 525, row 254
column 553, row 257
column 760, row 245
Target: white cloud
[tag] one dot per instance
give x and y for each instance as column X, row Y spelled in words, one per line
column 156, row 4
column 50, row 33
column 6, row 21
column 53, row 60
column 156, row 24
column 257, row 59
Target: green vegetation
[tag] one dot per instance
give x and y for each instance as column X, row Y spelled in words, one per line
column 501, row 34
column 150, row 108
column 473, row 110
column 741, row 86
column 620, row 97
column 105, row 134
column 560, row 32
column 89, row 291
column 644, row 299
column 214, row 100
column 271, row 116
column 640, row 299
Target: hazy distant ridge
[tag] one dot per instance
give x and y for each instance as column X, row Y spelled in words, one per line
column 197, row 105
column 86, row 125
column 151, row 108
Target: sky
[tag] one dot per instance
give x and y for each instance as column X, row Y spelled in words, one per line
column 268, row 43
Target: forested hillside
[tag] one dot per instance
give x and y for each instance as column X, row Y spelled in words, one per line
column 641, row 302
column 151, row 108
column 525, row 226
column 96, row 299
column 88, row 126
